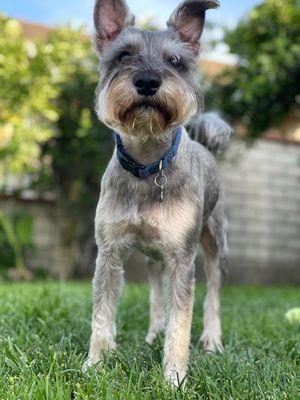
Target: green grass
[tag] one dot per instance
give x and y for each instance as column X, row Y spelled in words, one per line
column 44, row 333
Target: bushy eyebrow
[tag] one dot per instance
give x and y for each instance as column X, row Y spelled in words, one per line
column 131, row 48
column 134, row 41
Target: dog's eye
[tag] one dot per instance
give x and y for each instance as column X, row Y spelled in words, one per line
column 175, row 61
column 124, row 55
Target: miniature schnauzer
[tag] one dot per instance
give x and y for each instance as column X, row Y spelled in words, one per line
column 161, row 192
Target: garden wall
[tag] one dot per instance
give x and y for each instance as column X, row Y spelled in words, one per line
column 263, row 198
column 262, row 183
column 48, row 252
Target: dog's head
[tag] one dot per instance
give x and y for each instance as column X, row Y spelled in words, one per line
column 148, row 82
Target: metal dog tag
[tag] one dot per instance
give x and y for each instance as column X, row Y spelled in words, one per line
column 160, row 181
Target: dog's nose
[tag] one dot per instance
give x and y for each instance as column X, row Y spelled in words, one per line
column 147, row 83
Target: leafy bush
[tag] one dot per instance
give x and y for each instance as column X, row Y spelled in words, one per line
column 50, row 137
column 265, row 86
column 28, row 87
column 15, row 240
column 47, row 125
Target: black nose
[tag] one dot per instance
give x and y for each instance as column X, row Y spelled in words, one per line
column 147, row 83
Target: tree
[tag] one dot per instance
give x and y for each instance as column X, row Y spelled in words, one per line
column 26, row 92
column 49, row 132
column 46, row 98
column 264, row 87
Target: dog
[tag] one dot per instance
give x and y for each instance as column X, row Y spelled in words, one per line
column 161, row 192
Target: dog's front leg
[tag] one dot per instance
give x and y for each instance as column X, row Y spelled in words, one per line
column 181, row 297
column 107, row 284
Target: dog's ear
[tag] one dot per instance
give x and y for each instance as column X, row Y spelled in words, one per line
column 188, row 21
column 110, row 18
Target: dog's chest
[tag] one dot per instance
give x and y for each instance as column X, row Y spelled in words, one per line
column 163, row 222
column 132, row 215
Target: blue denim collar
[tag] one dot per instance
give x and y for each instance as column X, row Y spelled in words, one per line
column 143, row 171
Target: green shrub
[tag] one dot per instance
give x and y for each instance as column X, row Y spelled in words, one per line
column 265, row 85
column 47, row 125
column 15, row 239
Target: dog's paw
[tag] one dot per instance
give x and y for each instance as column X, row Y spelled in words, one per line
column 155, row 329
column 175, row 376
column 150, row 337
column 212, row 343
column 91, row 361
column 98, row 349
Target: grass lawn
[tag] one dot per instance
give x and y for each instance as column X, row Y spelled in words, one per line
column 45, row 328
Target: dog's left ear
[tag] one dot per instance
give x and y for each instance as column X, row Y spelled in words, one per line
column 110, row 18
column 188, row 21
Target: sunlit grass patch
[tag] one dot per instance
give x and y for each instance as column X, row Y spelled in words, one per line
column 45, row 328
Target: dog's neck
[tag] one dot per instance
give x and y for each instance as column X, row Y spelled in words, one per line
column 148, row 149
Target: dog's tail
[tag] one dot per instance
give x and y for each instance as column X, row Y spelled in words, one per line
column 211, row 131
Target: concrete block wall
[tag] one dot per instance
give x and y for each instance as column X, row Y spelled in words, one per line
column 48, row 253
column 262, row 184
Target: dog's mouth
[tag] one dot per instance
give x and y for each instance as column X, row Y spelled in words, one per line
column 145, row 106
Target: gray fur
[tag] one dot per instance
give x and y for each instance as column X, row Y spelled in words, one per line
column 211, row 131
column 129, row 213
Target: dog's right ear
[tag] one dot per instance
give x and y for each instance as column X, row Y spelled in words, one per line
column 110, row 18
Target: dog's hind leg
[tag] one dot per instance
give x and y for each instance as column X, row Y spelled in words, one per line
column 214, row 244
column 157, row 299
